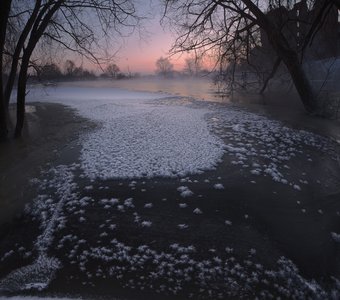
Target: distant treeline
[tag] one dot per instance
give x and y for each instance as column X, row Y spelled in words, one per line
column 70, row 71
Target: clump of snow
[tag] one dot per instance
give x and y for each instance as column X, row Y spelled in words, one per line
column 197, row 211
column 129, row 203
column 335, row 237
column 227, row 222
column 148, row 205
column 185, row 191
column 146, row 224
column 229, row 250
column 182, row 226
column 183, row 205
column 252, row 251
column 7, row 254
column 297, row 187
column 219, row 186
column 121, row 208
column 88, row 187
column 112, row 226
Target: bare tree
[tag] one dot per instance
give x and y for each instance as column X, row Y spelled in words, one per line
column 112, row 71
column 5, row 6
column 63, row 22
column 164, row 67
column 49, row 72
column 192, row 66
column 232, row 28
column 69, row 68
column 26, row 15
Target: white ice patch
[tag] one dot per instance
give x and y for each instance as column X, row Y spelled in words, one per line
column 40, row 273
column 145, row 141
column 35, row 276
column 138, row 138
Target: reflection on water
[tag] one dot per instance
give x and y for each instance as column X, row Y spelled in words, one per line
column 201, row 88
column 198, row 88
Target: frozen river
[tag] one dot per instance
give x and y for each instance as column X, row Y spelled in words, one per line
column 173, row 197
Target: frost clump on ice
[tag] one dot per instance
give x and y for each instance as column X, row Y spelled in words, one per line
column 197, row 211
column 185, row 191
column 335, row 237
column 265, row 147
column 219, row 186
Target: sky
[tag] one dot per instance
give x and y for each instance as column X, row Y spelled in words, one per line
column 135, row 52
column 139, row 51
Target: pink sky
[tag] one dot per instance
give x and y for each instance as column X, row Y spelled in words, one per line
column 140, row 54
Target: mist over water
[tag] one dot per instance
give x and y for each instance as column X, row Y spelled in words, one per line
column 198, row 88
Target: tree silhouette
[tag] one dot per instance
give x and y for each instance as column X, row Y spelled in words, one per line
column 62, row 22
column 231, row 29
column 69, row 68
column 5, row 6
column 164, row 67
column 112, row 71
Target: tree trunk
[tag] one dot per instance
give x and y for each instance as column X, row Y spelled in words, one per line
column 3, row 113
column 271, row 75
column 336, row 3
column 302, row 83
column 3, row 118
column 38, row 29
column 288, row 55
column 21, row 95
column 291, row 59
column 17, row 51
column 5, row 7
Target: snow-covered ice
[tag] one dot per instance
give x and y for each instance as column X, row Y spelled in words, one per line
column 149, row 134
column 138, row 138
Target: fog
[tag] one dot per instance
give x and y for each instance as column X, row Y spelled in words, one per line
column 198, row 88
